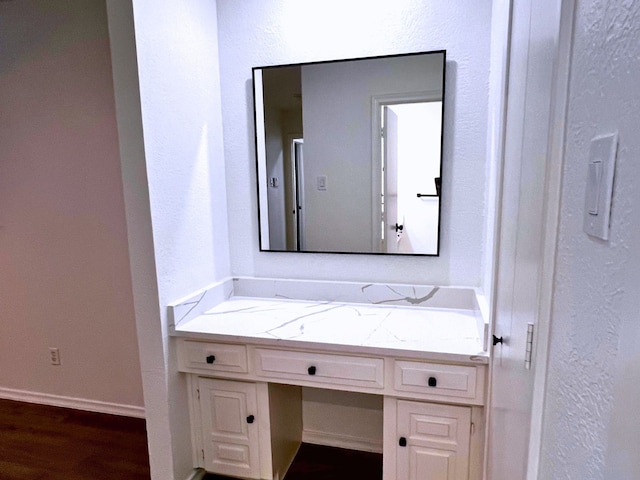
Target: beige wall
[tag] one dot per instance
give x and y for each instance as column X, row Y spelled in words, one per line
column 64, row 268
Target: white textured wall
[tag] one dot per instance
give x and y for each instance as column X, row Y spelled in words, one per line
column 177, row 214
column 258, row 33
column 591, row 423
column 64, row 267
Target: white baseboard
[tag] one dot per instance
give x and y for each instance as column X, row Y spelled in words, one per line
column 341, row 441
column 70, row 402
column 197, row 474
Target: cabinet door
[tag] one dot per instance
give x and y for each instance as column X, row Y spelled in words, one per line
column 229, row 427
column 433, row 441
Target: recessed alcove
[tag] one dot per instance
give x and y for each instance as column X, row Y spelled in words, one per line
column 203, row 205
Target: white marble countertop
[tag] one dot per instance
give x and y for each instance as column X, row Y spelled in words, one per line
column 412, row 331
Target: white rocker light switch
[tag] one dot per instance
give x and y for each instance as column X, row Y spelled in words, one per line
column 593, row 187
column 599, row 191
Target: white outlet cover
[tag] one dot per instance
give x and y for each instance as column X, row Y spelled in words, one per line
column 599, row 189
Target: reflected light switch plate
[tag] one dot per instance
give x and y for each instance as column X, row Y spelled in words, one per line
column 599, row 191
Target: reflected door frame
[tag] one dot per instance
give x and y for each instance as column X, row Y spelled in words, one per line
column 294, row 191
column 391, row 225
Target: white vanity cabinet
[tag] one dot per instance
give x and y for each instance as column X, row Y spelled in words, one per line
column 430, row 441
column 244, row 429
column 230, row 440
column 246, row 407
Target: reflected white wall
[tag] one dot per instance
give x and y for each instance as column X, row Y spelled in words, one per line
column 338, row 130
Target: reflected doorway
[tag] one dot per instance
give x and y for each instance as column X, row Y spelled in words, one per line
column 410, row 176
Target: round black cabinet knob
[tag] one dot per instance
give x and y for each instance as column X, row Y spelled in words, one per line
column 402, row 442
column 311, row 370
column 250, row 419
column 432, row 382
column 211, row 359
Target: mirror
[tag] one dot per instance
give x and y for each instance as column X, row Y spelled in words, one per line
column 349, row 154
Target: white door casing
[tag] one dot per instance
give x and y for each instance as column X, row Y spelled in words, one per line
column 392, row 227
column 300, row 205
column 527, row 216
column 294, row 190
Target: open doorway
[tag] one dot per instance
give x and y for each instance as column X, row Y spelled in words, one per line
column 410, row 170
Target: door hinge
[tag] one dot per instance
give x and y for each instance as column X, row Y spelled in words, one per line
column 473, row 428
column 527, row 354
column 202, row 454
column 382, row 132
column 198, row 392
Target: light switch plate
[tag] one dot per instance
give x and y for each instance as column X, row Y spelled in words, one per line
column 599, row 190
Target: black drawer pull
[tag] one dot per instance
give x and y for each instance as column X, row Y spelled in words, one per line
column 311, row 370
column 402, row 442
column 432, row 382
column 250, row 419
column 211, row 359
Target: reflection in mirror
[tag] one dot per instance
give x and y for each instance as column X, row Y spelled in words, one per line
column 349, row 154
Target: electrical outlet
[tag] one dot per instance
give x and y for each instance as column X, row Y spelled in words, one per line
column 54, row 356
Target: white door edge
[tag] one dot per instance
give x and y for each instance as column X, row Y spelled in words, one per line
column 551, row 20
column 498, row 81
column 553, row 187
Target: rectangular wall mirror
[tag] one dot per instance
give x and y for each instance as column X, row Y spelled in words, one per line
column 349, row 154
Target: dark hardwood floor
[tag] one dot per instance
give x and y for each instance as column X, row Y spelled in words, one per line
column 316, row 462
column 41, row 442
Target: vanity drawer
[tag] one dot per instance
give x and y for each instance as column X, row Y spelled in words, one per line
column 212, row 357
column 320, row 368
column 440, row 380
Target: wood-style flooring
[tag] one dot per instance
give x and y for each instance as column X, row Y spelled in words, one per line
column 316, row 462
column 39, row 442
